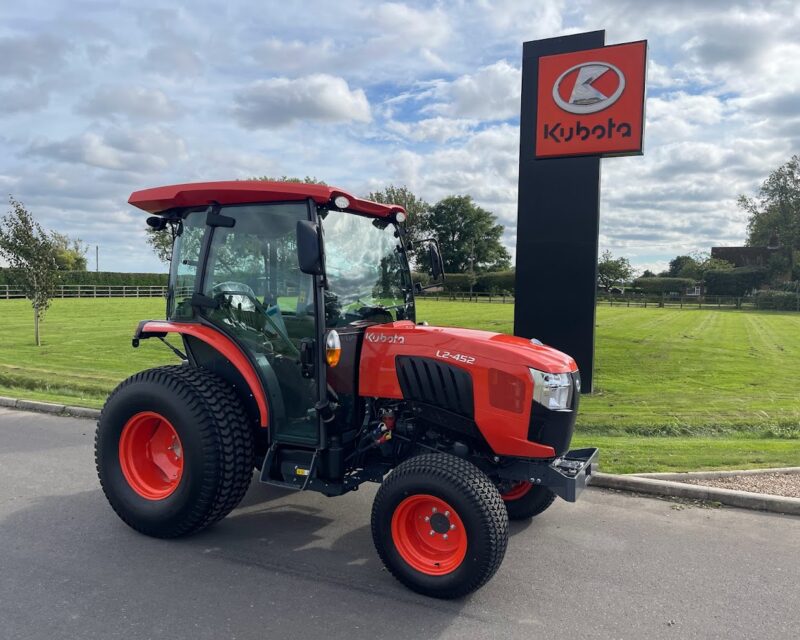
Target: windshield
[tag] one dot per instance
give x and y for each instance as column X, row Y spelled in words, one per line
column 367, row 270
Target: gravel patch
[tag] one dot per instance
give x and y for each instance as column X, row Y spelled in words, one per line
column 776, row 484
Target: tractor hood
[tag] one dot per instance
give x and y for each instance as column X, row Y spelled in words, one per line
column 465, row 347
column 499, row 376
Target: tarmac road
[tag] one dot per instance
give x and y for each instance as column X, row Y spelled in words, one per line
column 302, row 566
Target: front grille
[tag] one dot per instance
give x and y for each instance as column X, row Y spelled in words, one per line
column 436, row 383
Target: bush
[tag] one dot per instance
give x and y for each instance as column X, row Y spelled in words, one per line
column 421, row 277
column 663, row 285
column 455, row 282
column 735, row 282
column 778, row 300
column 497, row 282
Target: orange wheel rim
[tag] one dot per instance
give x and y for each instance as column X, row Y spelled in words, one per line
column 429, row 535
column 517, row 491
column 151, row 455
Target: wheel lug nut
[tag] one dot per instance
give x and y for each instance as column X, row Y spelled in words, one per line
column 427, row 518
column 452, row 526
column 434, row 510
column 445, row 536
column 446, row 513
column 432, row 532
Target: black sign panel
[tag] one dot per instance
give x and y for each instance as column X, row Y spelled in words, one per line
column 558, row 223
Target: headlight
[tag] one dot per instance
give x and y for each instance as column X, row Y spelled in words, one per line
column 552, row 390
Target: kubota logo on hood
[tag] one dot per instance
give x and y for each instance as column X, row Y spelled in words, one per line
column 382, row 337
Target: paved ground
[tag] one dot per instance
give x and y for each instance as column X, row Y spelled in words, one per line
column 303, row 566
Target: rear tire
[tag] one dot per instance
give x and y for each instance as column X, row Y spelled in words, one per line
column 526, row 500
column 463, row 509
column 210, row 456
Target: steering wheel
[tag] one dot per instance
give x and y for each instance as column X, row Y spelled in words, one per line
column 227, row 292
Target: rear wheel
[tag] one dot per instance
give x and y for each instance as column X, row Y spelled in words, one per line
column 439, row 525
column 525, row 500
column 174, row 450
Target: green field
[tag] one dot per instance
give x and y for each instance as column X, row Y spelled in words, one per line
column 675, row 389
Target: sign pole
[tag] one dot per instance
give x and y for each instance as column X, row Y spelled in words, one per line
column 558, row 223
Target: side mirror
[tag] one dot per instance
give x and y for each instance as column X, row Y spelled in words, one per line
column 437, row 265
column 309, row 249
column 157, row 222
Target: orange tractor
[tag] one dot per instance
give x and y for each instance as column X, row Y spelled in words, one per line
column 302, row 358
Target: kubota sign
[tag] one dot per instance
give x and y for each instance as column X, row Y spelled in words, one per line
column 591, row 102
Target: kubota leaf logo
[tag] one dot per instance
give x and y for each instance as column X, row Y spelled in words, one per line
column 595, row 86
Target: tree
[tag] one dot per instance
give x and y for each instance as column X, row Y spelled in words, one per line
column 613, row 271
column 695, row 266
column 469, row 236
column 774, row 215
column 648, row 274
column 306, row 180
column 70, row 253
column 31, row 255
column 683, row 267
column 416, row 210
column 160, row 241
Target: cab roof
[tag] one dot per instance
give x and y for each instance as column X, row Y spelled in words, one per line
column 179, row 196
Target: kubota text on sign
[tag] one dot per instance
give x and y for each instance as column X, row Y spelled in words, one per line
column 591, row 102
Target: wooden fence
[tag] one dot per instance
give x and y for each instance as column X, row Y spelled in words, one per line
column 634, row 300
column 9, row 292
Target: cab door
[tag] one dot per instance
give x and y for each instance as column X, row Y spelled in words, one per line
column 260, row 298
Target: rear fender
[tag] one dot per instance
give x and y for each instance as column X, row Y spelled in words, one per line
column 234, row 366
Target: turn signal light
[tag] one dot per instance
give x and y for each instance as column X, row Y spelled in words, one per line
column 333, row 348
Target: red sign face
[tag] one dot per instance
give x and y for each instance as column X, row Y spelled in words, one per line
column 591, row 102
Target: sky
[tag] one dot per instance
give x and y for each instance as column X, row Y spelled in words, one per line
column 99, row 99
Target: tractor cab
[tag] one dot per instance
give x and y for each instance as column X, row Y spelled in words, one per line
column 294, row 281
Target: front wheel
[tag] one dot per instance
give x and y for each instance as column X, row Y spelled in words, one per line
column 439, row 525
column 525, row 500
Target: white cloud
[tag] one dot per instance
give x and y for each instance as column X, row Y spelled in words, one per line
column 27, row 55
column 135, row 103
column 491, row 93
column 281, row 101
column 436, row 129
column 141, row 150
column 23, row 97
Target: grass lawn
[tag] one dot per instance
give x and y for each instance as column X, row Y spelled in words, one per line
column 709, row 389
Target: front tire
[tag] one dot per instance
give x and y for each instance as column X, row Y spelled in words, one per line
column 174, row 450
column 439, row 525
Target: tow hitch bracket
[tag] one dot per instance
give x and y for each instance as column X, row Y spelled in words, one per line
column 566, row 476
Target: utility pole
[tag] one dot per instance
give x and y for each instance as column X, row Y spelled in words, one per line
column 97, row 258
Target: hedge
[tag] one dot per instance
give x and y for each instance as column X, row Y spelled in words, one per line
column 735, row 282
column 778, row 300
column 663, row 285
column 112, row 278
column 498, row 282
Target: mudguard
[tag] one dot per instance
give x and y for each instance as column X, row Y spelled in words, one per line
column 222, row 344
